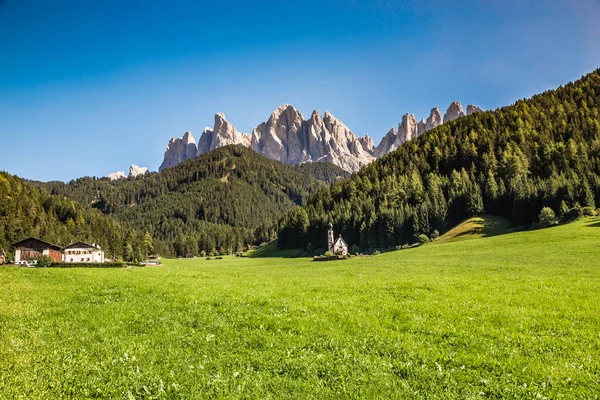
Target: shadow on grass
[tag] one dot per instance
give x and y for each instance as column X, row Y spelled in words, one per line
column 271, row 250
column 593, row 223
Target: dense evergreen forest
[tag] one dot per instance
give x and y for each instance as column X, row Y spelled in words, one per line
column 26, row 211
column 541, row 152
column 220, row 201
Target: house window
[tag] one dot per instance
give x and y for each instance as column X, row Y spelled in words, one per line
column 88, row 259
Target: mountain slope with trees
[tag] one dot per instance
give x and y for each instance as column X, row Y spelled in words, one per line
column 222, row 200
column 540, row 152
column 26, row 210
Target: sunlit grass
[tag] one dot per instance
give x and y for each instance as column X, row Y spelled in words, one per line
column 510, row 316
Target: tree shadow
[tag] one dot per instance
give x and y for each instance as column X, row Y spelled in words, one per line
column 594, row 223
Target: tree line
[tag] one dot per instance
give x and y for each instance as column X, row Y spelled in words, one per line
column 513, row 162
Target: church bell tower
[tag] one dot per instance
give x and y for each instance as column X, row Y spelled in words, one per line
column 330, row 240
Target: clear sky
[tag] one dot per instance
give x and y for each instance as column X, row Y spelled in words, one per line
column 90, row 87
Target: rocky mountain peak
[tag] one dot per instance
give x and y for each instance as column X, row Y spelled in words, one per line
column 179, row 150
column 471, row 109
column 435, row 119
column 455, row 110
column 135, row 171
column 188, row 138
column 222, row 134
column 117, row 175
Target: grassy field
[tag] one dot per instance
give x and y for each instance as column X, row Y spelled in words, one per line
column 509, row 316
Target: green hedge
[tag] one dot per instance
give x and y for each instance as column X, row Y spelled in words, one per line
column 117, row 264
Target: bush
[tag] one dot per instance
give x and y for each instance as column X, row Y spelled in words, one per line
column 218, row 258
column 422, row 238
column 319, row 252
column 547, row 217
column 203, row 253
column 115, row 264
column 208, row 258
column 376, row 252
column 328, row 254
column 435, row 234
column 588, row 211
column 44, row 262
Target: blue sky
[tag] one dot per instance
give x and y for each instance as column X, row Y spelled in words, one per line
column 90, row 87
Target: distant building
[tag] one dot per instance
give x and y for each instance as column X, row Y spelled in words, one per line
column 2, row 257
column 336, row 246
column 29, row 250
column 81, row 252
column 152, row 261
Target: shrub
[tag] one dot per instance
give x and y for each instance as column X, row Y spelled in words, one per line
column 376, row 252
column 422, row 238
column 319, row 252
column 547, row 217
column 218, row 258
column 435, row 234
column 44, row 262
column 588, row 211
column 208, row 258
column 328, row 254
column 572, row 214
column 203, row 253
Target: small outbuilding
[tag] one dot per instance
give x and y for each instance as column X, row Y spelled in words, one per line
column 29, row 250
column 81, row 252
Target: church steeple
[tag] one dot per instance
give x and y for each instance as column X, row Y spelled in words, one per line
column 330, row 238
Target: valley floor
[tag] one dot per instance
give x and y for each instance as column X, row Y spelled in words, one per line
column 509, row 316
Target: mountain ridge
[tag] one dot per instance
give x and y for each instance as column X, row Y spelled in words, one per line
column 289, row 137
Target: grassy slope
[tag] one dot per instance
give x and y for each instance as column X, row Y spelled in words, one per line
column 477, row 228
column 511, row 316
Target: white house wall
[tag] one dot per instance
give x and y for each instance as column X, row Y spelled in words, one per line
column 95, row 256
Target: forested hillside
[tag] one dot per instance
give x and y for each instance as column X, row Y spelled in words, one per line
column 540, row 152
column 222, row 200
column 26, row 211
column 322, row 171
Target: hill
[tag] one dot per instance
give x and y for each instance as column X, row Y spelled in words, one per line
column 221, row 200
column 511, row 162
column 477, row 228
column 26, row 210
column 512, row 316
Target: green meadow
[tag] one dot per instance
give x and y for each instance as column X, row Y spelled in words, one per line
column 507, row 316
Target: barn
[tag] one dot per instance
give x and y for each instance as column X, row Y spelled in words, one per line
column 29, row 250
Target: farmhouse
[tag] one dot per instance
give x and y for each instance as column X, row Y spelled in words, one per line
column 336, row 246
column 81, row 252
column 29, row 250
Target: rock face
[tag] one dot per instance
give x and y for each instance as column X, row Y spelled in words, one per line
column 116, row 176
column 410, row 129
column 222, row 134
column 454, row 111
column 135, row 171
column 434, row 120
column 179, row 150
column 205, row 141
column 286, row 136
column 471, row 109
